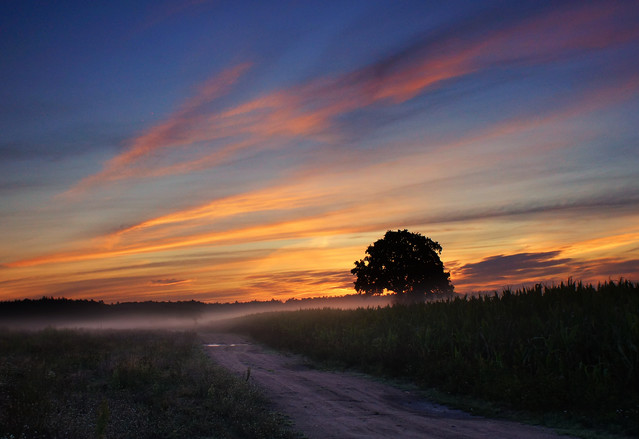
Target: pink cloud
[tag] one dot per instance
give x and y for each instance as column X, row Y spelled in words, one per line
column 206, row 137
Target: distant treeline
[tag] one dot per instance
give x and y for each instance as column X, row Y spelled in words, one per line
column 58, row 311
column 570, row 348
column 51, row 307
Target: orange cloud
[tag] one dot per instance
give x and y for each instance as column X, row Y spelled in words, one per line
column 168, row 282
column 601, row 245
column 282, row 197
column 335, row 222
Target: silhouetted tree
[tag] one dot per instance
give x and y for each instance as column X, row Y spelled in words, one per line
column 403, row 262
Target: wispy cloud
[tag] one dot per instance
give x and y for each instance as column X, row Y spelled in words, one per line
column 284, row 197
column 519, row 269
column 501, row 267
column 198, row 135
column 178, row 130
column 505, row 134
column 311, row 208
column 299, row 283
column 334, row 222
column 167, row 282
column 613, row 268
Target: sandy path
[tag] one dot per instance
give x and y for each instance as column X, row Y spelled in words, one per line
column 340, row 405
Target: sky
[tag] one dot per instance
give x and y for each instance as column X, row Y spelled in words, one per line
column 249, row 150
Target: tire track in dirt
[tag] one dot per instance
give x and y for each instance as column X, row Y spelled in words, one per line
column 327, row 405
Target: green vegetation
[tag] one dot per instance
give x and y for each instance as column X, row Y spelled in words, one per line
column 570, row 349
column 79, row 384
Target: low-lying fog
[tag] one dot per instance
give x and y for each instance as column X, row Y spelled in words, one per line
column 64, row 313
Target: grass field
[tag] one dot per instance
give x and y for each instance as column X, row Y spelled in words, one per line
column 116, row 384
column 568, row 351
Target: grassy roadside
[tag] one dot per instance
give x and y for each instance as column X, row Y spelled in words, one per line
column 562, row 356
column 112, row 384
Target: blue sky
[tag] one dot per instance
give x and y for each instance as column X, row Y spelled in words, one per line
column 219, row 150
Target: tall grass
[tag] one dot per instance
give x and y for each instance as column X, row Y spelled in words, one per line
column 570, row 348
column 78, row 384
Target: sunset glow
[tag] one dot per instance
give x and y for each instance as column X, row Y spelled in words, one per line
column 226, row 151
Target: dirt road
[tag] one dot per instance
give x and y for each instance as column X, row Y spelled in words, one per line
column 340, row 405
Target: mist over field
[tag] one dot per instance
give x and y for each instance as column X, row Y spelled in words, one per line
column 185, row 315
column 560, row 353
column 397, row 188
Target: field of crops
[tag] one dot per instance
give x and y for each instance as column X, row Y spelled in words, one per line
column 142, row 384
column 570, row 349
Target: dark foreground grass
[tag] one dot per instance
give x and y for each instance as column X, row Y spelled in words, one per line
column 568, row 352
column 123, row 384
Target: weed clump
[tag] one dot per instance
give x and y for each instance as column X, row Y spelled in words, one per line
column 110, row 384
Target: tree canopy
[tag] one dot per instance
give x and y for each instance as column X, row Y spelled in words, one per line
column 403, row 262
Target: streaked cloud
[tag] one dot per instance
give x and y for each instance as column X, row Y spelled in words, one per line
column 295, row 219
column 177, row 130
column 207, row 136
column 496, row 272
column 287, row 283
column 501, row 267
column 507, row 134
column 165, row 282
